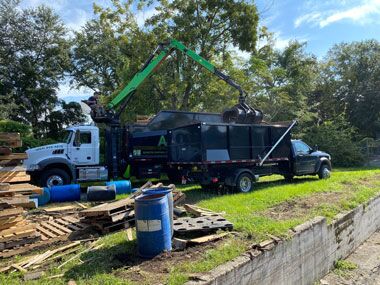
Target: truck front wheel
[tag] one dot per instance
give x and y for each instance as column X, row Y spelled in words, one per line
column 54, row 177
column 244, row 183
column 324, row 172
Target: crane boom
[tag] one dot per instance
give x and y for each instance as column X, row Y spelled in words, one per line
column 157, row 57
column 240, row 113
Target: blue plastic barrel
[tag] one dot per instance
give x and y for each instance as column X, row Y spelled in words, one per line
column 65, row 193
column 152, row 224
column 122, row 186
column 169, row 195
column 43, row 198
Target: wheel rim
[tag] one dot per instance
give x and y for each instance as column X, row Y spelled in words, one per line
column 245, row 184
column 326, row 173
column 54, row 180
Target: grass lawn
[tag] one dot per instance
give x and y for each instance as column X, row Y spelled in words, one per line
column 273, row 207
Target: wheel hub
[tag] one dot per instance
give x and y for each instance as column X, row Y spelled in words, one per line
column 245, row 184
column 326, row 173
column 54, row 180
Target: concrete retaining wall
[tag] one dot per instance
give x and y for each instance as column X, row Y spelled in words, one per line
column 305, row 258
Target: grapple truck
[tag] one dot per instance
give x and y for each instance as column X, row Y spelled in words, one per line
column 233, row 148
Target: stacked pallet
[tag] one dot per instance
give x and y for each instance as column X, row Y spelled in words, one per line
column 110, row 217
column 119, row 215
column 18, row 194
column 10, row 169
column 15, row 231
column 7, row 142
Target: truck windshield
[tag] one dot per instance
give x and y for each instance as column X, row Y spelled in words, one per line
column 68, row 136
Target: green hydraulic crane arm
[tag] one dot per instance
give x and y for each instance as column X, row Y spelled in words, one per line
column 156, row 58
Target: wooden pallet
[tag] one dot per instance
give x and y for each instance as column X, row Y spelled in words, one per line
column 22, row 188
column 10, row 139
column 50, row 231
column 107, row 209
column 12, row 174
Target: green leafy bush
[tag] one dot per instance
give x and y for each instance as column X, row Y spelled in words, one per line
column 336, row 138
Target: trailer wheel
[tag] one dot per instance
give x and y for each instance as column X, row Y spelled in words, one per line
column 324, row 172
column 174, row 176
column 54, row 176
column 244, row 183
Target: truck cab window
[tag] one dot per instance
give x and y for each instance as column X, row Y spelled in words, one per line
column 301, row 148
column 85, row 138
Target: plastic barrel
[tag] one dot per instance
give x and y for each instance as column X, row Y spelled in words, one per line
column 101, row 193
column 43, row 198
column 168, row 192
column 65, row 193
column 152, row 224
column 122, row 186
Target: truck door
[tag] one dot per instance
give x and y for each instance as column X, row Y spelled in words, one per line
column 304, row 162
column 81, row 150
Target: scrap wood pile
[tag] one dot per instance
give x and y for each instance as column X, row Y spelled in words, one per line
column 19, row 235
column 119, row 215
column 18, row 194
column 15, row 231
column 39, row 261
column 7, row 142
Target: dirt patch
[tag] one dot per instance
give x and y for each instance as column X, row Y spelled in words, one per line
column 155, row 271
column 302, row 206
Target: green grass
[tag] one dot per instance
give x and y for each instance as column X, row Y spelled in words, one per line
column 249, row 214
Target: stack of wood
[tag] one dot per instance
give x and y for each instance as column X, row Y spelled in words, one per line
column 18, row 194
column 15, row 231
column 7, row 142
column 119, row 215
column 110, row 217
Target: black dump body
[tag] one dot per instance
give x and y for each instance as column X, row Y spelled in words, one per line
column 216, row 142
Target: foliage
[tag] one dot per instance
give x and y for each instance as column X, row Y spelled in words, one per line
column 34, row 54
column 335, row 137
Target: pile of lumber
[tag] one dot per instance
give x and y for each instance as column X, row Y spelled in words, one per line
column 15, row 231
column 110, row 217
column 7, row 142
column 143, row 119
column 119, row 215
column 13, row 174
column 18, row 194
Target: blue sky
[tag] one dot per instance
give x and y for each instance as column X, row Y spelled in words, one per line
column 320, row 23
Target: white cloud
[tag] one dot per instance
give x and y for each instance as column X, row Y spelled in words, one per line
column 328, row 12
column 78, row 17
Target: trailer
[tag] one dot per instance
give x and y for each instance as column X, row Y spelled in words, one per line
column 236, row 155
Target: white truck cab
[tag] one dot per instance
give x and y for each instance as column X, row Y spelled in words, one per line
column 77, row 158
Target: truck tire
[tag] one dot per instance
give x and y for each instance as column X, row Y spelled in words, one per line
column 289, row 177
column 244, row 183
column 54, row 176
column 174, row 176
column 324, row 172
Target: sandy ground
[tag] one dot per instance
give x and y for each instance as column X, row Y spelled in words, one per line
column 367, row 259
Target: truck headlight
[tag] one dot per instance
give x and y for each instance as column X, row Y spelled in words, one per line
column 33, row 167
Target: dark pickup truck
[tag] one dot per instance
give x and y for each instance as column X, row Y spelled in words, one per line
column 235, row 156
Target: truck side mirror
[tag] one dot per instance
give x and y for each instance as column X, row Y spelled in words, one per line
column 77, row 138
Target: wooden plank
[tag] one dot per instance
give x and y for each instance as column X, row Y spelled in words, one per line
column 107, row 208
column 4, row 186
column 23, row 234
column 9, row 136
column 11, row 212
column 21, row 201
column 14, row 156
column 61, row 209
column 46, row 232
column 62, row 228
column 52, row 229
column 17, row 230
column 207, row 238
column 14, row 177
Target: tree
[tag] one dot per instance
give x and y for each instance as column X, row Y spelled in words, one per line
column 351, row 84
column 211, row 28
column 34, row 54
column 282, row 80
